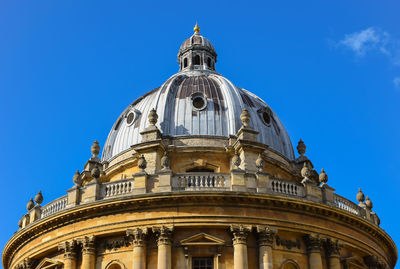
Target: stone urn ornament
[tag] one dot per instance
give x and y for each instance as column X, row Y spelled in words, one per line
column 153, row 117
column 245, row 117
column 260, row 163
column 360, row 197
column 77, row 179
column 39, row 198
column 95, row 173
column 142, row 163
column 305, row 173
column 301, row 148
column 368, row 203
column 323, row 177
column 236, row 161
column 30, row 204
column 95, row 149
column 165, row 161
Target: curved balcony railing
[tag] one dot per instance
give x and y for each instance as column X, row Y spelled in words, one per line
column 199, row 181
column 54, row 206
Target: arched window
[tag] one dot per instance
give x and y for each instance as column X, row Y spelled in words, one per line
column 185, row 64
column 209, row 62
column 196, row 60
column 290, row 264
column 115, row 264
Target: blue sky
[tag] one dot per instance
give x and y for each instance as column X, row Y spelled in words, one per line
column 329, row 69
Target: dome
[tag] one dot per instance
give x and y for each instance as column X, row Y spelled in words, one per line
column 197, row 101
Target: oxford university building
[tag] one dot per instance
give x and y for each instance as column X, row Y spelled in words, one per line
column 199, row 174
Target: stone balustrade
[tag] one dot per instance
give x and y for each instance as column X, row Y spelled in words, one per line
column 346, row 205
column 199, row 181
column 117, row 188
column 55, row 206
column 287, row 187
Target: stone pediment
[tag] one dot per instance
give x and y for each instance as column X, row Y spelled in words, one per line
column 202, row 239
column 47, row 263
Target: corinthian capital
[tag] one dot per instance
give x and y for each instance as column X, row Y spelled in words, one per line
column 265, row 235
column 88, row 244
column 240, row 233
column 332, row 247
column 137, row 235
column 313, row 243
column 164, row 235
column 69, row 249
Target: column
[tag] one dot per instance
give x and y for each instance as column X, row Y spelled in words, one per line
column 164, row 242
column 333, row 252
column 69, row 248
column 88, row 252
column 240, row 233
column 313, row 243
column 265, row 240
column 138, row 237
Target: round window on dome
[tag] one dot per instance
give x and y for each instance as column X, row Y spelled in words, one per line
column 266, row 118
column 130, row 118
column 199, row 102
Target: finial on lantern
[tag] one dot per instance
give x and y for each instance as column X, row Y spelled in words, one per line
column 30, row 204
column 77, row 179
column 245, row 117
column 95, row 149
column 301, row 148
column 196, row 28
column 39, row 198
column 323, row 177
column 360, row 197
column 153, row 117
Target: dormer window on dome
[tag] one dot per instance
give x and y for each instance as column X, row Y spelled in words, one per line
column 197, row 53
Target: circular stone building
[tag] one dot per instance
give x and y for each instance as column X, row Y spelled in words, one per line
column 199, row 174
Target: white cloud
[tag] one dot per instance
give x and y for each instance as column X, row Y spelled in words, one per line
column 366, row 40
column 396, row 82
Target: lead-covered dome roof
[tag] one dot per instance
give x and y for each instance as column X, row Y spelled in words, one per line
column 197, row 101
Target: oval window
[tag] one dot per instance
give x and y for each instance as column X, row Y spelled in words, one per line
column 130, row 118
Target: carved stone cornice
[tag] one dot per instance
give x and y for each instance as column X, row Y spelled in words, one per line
column 265, row 235
column 240, row 233
column 164, row 235
column 69, row 249
column 137, row 236
column 313, row 243
column 332, row 247
column 88, row 245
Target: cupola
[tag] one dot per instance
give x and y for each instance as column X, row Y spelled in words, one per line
column 197, row 53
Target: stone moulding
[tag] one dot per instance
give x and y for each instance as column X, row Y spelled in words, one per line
column 151, row 201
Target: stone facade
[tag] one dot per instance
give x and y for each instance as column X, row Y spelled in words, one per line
column 200, row 202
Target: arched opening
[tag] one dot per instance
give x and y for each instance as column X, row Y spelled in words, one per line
column 185, row 62
column 115, row 264
column 209, row 62
column 196, row 60
column 290, row 264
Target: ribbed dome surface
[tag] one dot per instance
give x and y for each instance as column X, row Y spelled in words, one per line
column 196, row 39
column 181, row 114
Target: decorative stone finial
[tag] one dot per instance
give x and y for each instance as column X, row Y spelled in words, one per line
column 236, row 161
column 301, row 148
column 95, row 148
column 153, row 117
column 323, row 177
column 20, row 223
column 245, row 117
column 165, row 161
column 30, row 204
column 360, row 197
column 368, row 203
column 142, row 163
column 77, row 179
column 39, row 198
column 305, row 173
column 260, row 163
column 196, row 28
column 95, row 172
